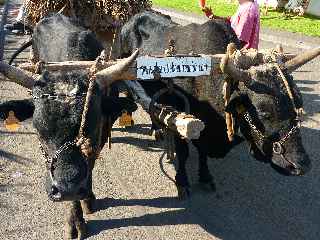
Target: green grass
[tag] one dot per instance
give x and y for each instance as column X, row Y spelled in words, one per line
column 307, row 25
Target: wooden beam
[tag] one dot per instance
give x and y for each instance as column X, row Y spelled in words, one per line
column 82, row 65
column 186, row 125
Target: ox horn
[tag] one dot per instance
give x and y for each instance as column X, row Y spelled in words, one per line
column 227, row 65
column 117, row 72
column 301, row 59
column 237, row 73
column 19, row 76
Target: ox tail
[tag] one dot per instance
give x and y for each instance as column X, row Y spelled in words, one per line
column 20, row 50
column 163, row 170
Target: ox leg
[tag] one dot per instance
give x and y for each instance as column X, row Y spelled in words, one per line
column 75, row 224
column 88, row 204
column 205, row 177
column 182, row 153
column 158, row 133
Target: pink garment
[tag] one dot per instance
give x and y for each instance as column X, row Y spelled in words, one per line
column 246, row 23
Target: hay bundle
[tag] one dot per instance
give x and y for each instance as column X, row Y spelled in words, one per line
column 95, row 14
column 37, row 9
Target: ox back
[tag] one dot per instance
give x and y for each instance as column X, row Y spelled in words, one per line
column 151, row 33
column 260, row 93
column 62, row 102
column 60, row 39
column 57, row 120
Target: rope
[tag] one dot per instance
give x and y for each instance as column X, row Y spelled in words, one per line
column 82, row 140
column 109, row 136
column 86, row 106
column 227, row 91
column 299, row 111
column 277, row 59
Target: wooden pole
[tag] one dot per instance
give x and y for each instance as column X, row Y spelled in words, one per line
column 186, row 125
column 82, row 65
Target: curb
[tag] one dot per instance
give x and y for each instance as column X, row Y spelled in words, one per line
column 293, row 40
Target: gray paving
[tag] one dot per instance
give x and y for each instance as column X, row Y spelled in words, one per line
column 136, row 200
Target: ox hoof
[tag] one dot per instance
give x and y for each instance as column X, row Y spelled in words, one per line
column 70, row 232
column 82, row 231
column 88, row 206
column 171, row 161
column 208, row 186
column 158, row 135
column 183, row 192
column 75, row 231
column 79, row 232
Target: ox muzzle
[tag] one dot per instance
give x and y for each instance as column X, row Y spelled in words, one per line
column 68, row 177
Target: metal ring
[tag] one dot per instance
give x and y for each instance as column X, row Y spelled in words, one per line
column 277, row 148
column 185, row 99
column 153, row 105
column 161, row 92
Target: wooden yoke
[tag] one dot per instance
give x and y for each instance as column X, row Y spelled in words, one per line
column 187, row 126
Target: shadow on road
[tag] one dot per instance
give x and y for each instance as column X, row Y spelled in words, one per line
column 19, row 133
column 13, row 157
column 143, row 129
column 311, row 98
column 252, row 201
column 5, row 203
column 145, row 144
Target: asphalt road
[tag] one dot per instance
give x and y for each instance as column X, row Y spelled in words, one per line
column 137, row 201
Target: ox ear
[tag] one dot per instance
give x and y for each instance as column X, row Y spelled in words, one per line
column 22, row 109
column 238, row 104
column 113, row 107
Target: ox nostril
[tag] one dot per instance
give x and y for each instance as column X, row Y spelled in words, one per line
column 82, row 191
column 54, row 190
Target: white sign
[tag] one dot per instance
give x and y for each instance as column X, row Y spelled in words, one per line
column 170, row 67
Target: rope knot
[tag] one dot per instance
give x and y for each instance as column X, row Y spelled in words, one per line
column 227, row 89
column 85, row 146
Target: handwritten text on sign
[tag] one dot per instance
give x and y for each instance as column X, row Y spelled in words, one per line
column 170, row 67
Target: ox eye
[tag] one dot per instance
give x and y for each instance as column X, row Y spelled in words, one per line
column 265, row 115
column 40, row 84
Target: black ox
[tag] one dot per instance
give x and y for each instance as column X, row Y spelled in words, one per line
column 58, row 122
column 57, row 109
column 267, row 118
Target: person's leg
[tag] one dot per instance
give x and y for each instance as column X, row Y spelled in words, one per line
column 21, row 23
column 21, row 14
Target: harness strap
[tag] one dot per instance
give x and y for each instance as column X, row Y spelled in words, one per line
column 227, row 91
